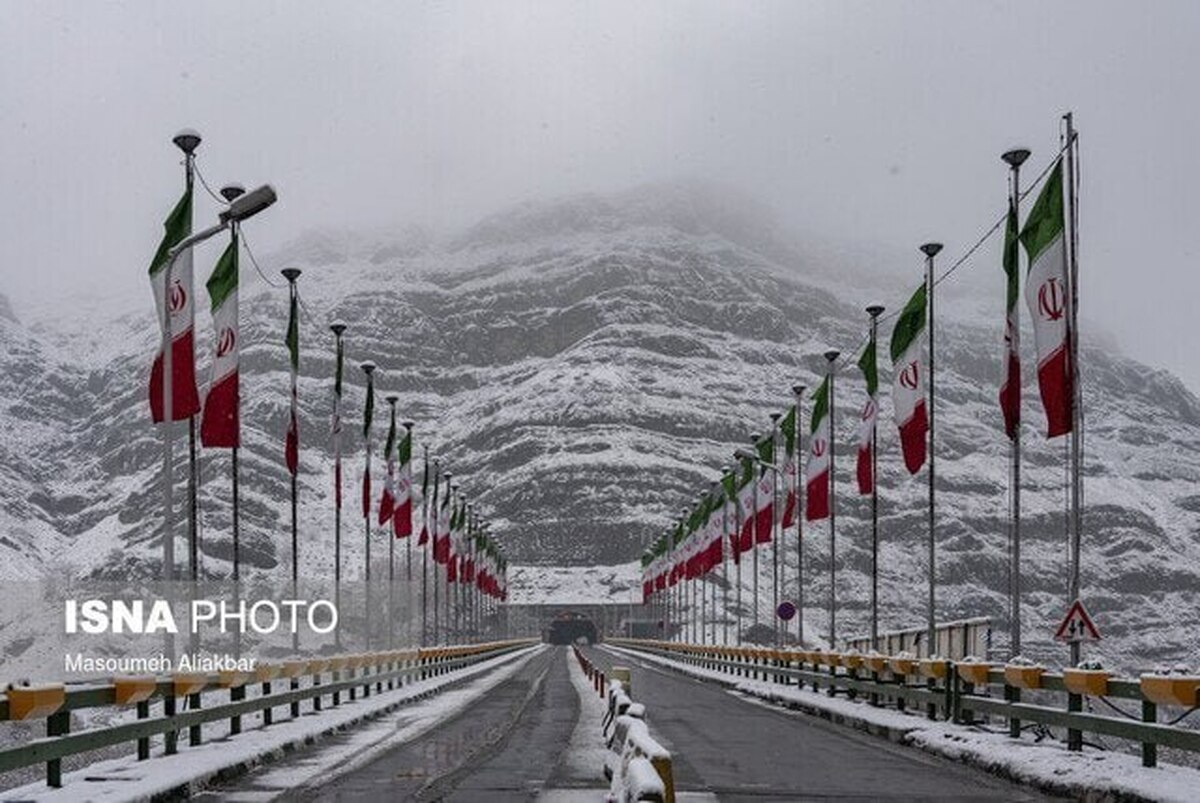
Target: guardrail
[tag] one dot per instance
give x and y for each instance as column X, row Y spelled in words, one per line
column 953, row 640
column 311, row 680
column 958, row 691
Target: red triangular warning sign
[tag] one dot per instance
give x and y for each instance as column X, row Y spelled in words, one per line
column 1077, row 625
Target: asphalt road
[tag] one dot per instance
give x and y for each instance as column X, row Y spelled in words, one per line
column 507, row 746
column 743, row 751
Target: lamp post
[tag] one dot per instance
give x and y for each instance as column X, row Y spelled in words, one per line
column 798, row 394
column 930, row 250
column 368, row 368
column 339, row 330
column 831, row 359
column 874, row 310
column 242, row 208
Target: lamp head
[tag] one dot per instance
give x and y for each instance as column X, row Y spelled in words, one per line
column 392, row 398
column 407, row 424
column 337, row 328
column 1016, row 157
column 832, row 355
column 368, row 367
column 775, row 417
column 875, row 310
column 231, row 192
column 187, row 140
column 931, row 249
column 745, row 454
column 798, row 390
column 249, row 205
column 291, row 274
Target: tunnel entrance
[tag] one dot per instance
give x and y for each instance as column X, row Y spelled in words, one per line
column 567, row 628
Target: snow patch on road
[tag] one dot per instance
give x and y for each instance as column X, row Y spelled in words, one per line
column 587, row 750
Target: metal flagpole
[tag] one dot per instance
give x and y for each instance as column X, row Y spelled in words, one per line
column 1072, row 212
column 431, row 533
column 437, row 609
column 231, row 192
column 451, row 610
column 725, row 555
column 775, row 513
column 930, row 250
column 831, row 357
column 338, row 330
column 798, row 393
column 193, row 503
column 408, row 428
column 875, row 310
column 737, row 543
column 1014, row 159
column 292, row 274
column 754, row 469
column 391, row 538
column 368, row 368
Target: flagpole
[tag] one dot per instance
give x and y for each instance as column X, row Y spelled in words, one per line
column 737, row 543
column 391, row 400
column 1014, row 159
column 1072, row 212
column 408, row 428
column 725, row 550
column 775, row 512
column 451, row 609
column 754, row 468
column 437, row 606
column 292, row 274
column 431, row 535
column 368, row 368
column 930, row 250
column 831, row 357
column 798, row 394
column 338, row 330
column 874, row 310
column 193, row 545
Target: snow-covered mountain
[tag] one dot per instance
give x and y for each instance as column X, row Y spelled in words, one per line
column 585, row 366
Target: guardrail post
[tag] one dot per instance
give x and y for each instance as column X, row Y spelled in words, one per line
column 143, row 744
column 268, row 715
column 1149, row 749
column 931, row 708
column 171, row 737
column 901, row 680
column 236, row 694
column 1013, row 695
column 966, row 715
column 194, row 731
column 852, row 674
column 337, row 695
column 316, row 684
column 873, row 697
column 294, row 685
column 1075, row 737
column 57, row 724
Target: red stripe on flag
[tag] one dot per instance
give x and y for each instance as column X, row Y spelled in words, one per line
column 402, row 521
column 912, row 438
column 337, row 483
column 1010, row 395
column 1054, row 383
column 185, row 398
column 291, row 446
column 866, row 480
column 763, row 524
column 219, row 425
column 816, row 502
column 366, row 494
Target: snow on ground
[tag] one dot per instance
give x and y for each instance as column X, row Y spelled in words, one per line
column 129, row 779
column 574, row 585
column 586, row 753
column 1047, row 766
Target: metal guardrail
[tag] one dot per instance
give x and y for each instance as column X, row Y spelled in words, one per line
column 953, row 640
column 328, row 677
column 958, row 691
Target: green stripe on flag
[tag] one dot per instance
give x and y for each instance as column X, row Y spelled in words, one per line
column 910, row 324
column 1011, row 238
column 406, row 448
column 1045, row 222
column 788, row 427
column 177, row 226
column 293, row 334
column 821, row 405
column 224, row 279
column 867, row 364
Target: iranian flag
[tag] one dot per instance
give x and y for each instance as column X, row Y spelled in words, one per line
column 441, row 532
column 866, row 425
column 402, row 521
column 764, row 515
column 452, row 542
column 368, row 416
column 816, row 487
column 908, row 386
column 291, row 449
column 424, row 537
column 387, row 502
column 336, row 425
column 1010, row 388
column 746, row 505
column 219, row 425
column 185, row 400
column 729, row 481
column 788, row 427
column 1046, row 295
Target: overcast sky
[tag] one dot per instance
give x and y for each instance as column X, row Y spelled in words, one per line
column 873, row 126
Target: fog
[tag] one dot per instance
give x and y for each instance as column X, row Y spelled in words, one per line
column 868, row 127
